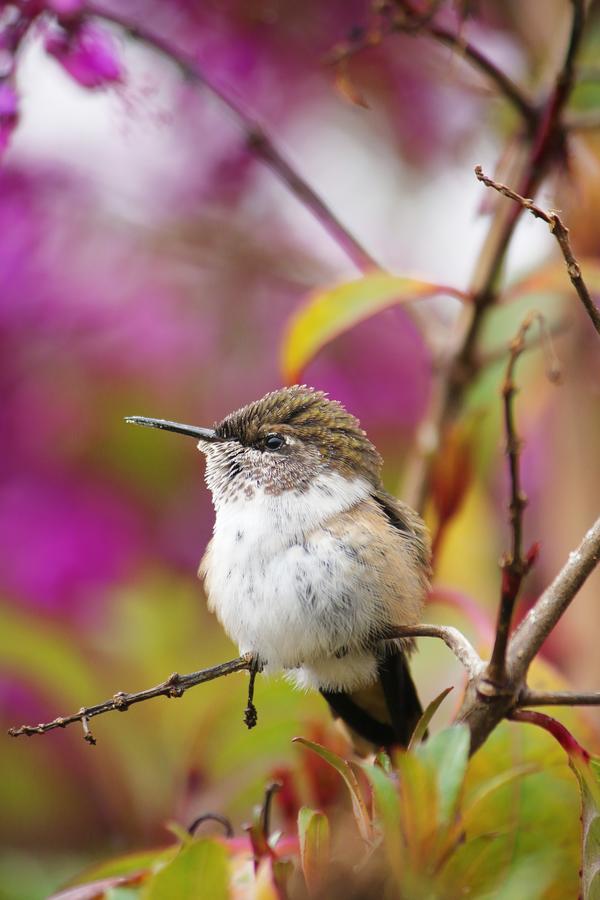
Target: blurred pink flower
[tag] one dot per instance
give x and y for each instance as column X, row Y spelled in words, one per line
column 65, row 8
column 9, row 114
column 64, row 540
column 87, row 52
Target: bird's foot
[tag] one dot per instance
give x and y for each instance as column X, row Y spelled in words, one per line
column 251, row 713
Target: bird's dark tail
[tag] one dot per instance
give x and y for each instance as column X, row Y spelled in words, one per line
column 383, row 714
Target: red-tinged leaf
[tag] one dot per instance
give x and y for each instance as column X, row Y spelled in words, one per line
column 327, row 314
column 287, row 797
column 344, row 768
column 313, row 831
column 452, row 473
column 587, row 772
column 96, row 889
column 532, row 555
column 423, row 723
column 260, row 845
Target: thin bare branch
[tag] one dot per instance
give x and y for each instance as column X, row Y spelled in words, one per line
column 558, row 698
column 176, row 685
column 553, row 329
column 560, row 232
column 543, row 616
column 257, row 139
column 416, row 22
column 514, row 565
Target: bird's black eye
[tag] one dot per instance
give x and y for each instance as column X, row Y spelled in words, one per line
column 274, row 442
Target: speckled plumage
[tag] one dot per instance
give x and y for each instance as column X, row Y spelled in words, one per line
column 311, row 560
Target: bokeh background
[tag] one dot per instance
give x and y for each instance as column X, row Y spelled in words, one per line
column 149, row 264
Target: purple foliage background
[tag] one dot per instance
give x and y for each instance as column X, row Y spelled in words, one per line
column 149, row 264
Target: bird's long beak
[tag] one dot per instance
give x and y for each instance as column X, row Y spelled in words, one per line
column 201, row 434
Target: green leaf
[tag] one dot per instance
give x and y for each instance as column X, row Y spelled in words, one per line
column 128, row 864
column 387, row 803
column 427, row 716
column 588, row 776
column 419, row 808
column 448, row 753
column 200, row 871
column 313, row 832
column 344, row 768
column 121, row 893
column 488, row 788
column 327, row 314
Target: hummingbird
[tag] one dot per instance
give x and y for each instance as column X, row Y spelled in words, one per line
column 312, row 563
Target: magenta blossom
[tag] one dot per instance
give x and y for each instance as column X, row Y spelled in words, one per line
column 65, row 8
column 87, row 52
column 9, row 113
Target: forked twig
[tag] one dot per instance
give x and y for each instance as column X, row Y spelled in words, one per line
column 515, row 565
column 560, row 232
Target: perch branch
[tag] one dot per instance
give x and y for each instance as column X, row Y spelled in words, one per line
column 560, row 232
column 514, row 565
column 452, row 637
column 176, row 685
column 257, row 139
column 543, row 616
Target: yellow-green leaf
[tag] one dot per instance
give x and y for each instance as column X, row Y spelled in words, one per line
column 313, row 832
column 427, row 716
column 200, row 871
column 344, row 768
column 326, row 314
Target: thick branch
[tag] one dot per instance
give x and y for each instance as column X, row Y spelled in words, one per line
column 560, row 232
column 543, row 616
column 257, row 139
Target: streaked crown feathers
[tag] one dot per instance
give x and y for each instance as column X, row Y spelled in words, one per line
column 309, row 416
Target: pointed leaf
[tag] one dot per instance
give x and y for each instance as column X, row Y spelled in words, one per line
column 588, row 776
column 448, row 752
column 327, row 314
column 200, row 871
column 342, row 766
column 313, row 831
column 427, row 716
column 419, row 806
column 387, row 804
column 489, row 787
